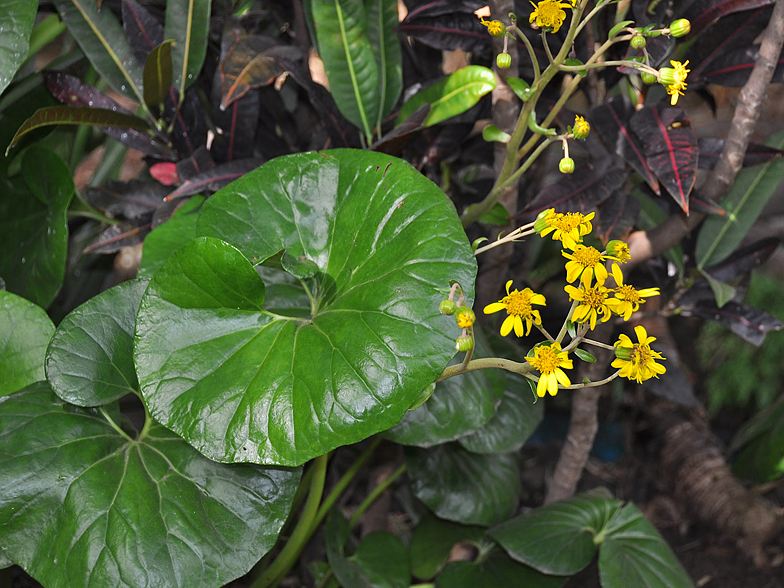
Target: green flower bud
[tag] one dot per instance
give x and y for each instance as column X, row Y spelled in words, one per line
column 624, row 353
column 619, row 250
column 638, row 42
column 496, row 28
column 447, row 307
column 667, row 76
column 566, row 165
column 541, row 222
column 503, row 61
column 464, row 343
column 464, row 317
column 680, row 28
column 648, row 78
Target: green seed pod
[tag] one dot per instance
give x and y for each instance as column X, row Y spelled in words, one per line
column 566, row 165
column 638, row 42
column 447, row 307
column 648, row 78
column 680, row 28
column 503, row 61
column 464, row 343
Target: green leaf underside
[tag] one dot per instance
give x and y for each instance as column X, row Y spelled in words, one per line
column 188, row 23
column 634, row 554
column 25, row 330
column 382, row 19
column 496, row 571
column 103, row 41
column 105, row 511
column 169, row 236
column 16, row 23
column 158, row 74
column 34, row 229
column 348, row 58
column 452, row 95
column 90, row 358
column 753, row 187
column 241, row 386
column 557, row 539
column 432, row 541
column 464, row 487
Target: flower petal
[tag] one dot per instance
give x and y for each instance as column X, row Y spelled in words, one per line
column 506, row 327
column 494, row 307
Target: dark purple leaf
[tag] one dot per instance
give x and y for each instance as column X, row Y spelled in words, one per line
column 616, row 217
column 582, row 191
column 749, row 323
column 143, row 30
column 611, row 121
column 445, row 141
column 701, row 13
column 448, row 32
column 198, row 163
column 215, row 178
column 673, row 385
column 127, row 200
column 190, row 127
column 166, row 210
column 707, row 206
column 744, row 260
column 393, row 142
column 734, row 68
column 670, row 147
column 238, row 123
column 756, row 153
column 118, row 237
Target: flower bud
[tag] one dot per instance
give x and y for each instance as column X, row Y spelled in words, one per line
column 496, row 28
column 566, row 165
column 668, row 76
column 624, row 353
column 447, row 307
column 503, row 61
column 680, row 28
column 638, row 42
column 464, row 317
column 619, row 250
column 542, row 220
column 648, row 78
column 464, row 343
column 581, row 128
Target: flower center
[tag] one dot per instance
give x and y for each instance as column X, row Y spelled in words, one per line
column 567, row 222
column 628, row 293
column 546, row 360
column 594, row 297
column 517, row 303
column 640, row 355
column 587, row 256
column 550, row 12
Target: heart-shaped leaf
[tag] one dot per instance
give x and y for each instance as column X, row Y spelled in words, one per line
column 464, row 487
column 170, row 236
column 242, row 384
column 34, row 229
column 494, row 571
column 90, row 358
column 25, row 331
column 558, row 538
column 634, row 554
column 105, row 510
column 432, row 541
column 16, row 24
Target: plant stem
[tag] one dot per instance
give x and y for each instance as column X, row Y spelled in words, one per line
column 112, row 424
column 302, row 532
column 483, row 364
column 377, row 491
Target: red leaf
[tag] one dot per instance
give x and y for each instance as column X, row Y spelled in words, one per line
column 165, row 172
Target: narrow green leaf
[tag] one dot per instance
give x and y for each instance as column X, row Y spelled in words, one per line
column 382, row 19
column 617, row 28
column 78, row 115
column 492, row 133
column 17, row 18
column 753, row 187
column 343, row 45
column 25, row 331
column 498, row 216
column 584, row 355
column 723, row 292
column 103, row 41
column 573, row 62
column 452, row 95
column 519, row 87
column 158, row 74
column 188, row 23
column 106, row 510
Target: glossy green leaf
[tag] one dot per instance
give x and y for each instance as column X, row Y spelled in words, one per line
column 90, row 358
column 432, row 541
column 492, row 133
column 515, row 420
column 34, row 229
column 722, row 291
column 497, row 217
column 459, row 406
column 343, row 45
column 16, row 23
column 452, row 95
column 170, row 236
column 382, row 20
column 188, row 23
column 495, row 571
column 584, row 355
column 519, row 87
column 78, row 115
column 634, row 554
column 464, row 487
column 103, row 510
column 103, row 41
column 753, row 187
column 558, row 538
column 618, row 27
column 379, row 561
column 25, row 330
column 158, row 74
column 240, row 384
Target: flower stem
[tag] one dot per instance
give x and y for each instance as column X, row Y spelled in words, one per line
column 377, row 491
column 485, row 363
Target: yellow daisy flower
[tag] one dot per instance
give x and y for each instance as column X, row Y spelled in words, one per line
column 518, row 308
column 586, row 262
column 627, row 298
column 549, row 14
column 619, row 250
column 581, row 127
column 674, row 79
column 549, row 359
column 637, row 361
column 569, row 228
column 594, row 303
column 495, row 27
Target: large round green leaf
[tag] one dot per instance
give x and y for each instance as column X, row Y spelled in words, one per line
column 495, row 571
column 374, row 242
column 432, row 542
column 464, row 487
column 103, row 510
column 90, row 358
column 25, row 330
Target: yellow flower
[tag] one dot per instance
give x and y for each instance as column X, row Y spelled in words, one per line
column 581, row 128
column 594, row 303
column 495, row 27
column 568, row 228
column 627, row 298
column 549, row 14
column 518, row 308
column 586, row 262
column 637, row 360
column 674, row 79
column 549, row 360
column 465, row 317
column 619, row 250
